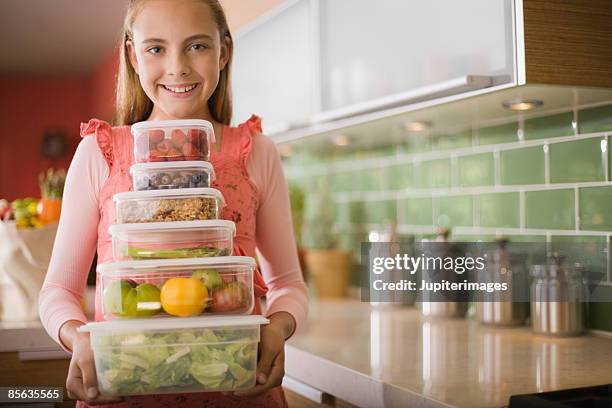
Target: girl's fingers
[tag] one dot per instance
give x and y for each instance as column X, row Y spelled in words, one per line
column 90, row 383
column 77, row 385
column 74, row 383
column 265, row 364
column 274, row 378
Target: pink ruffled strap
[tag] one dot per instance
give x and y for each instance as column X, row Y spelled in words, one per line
column 104, row 136
column 250, row 129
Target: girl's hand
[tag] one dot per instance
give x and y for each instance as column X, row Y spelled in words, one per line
column 271, row 366
column 81, row 382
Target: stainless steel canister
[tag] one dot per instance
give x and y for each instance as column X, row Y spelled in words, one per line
column 558, row 299
column 499, row 308
column 437, row 308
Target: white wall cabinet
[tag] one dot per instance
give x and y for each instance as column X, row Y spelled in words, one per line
column 312, row 58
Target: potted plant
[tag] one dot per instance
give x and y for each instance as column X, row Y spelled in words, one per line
column 328, row 265
column 51, row 190
column 296, row 197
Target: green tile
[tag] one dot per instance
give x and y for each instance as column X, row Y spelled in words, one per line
column 476, row 170
column 455, row 211
column 550, row 209
column 600, row 316
column 368, row 180
column 434, row 174
column 500, row 210
column 357, row 212
column 595, row 119
column 342, row 182
column 522, row 166
column 379, row 212
column 399, row 177
column 596, row 208
column 579, row 160
column 417, row 211
column 549, row 126
column 590, row 251
column 506, row 133
column 452, row 141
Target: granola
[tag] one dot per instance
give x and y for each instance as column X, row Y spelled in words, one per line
column 159, row 210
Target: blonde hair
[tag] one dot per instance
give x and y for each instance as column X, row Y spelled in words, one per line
column 132, row 103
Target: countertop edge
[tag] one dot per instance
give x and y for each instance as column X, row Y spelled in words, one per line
column 350, row 385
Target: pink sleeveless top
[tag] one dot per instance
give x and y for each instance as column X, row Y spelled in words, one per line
column 232, row 179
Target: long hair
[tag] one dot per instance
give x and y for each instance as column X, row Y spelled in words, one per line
column 132, row 103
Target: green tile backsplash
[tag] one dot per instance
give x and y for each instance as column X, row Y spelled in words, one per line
column 549, row 126
column 452, row 141
column 400, row 176
column 342, row 181
column 455, row 211
column 380, row 212
column 476, row 170
column 416, row 211
column 368, row 180
column 434, row 174
column 595, row 119
column 501, row 210
column 552, row 209
column 482, row 183
column 522, row 166
column 596, row 208
column 579, row 160
column 506, row 133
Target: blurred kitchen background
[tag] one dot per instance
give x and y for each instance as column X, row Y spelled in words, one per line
column 404, row 121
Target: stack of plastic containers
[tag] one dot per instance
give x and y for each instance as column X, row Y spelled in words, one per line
column 177, row 306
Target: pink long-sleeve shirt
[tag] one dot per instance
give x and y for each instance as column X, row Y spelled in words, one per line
column 75, row 243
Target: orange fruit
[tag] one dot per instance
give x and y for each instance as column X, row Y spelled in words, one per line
column 184, row 296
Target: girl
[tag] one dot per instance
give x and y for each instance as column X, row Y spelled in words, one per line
column 175, row 64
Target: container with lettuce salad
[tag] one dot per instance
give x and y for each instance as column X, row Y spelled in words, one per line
column 144, row 356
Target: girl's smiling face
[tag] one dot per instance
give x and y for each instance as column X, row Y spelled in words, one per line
column 177, row 52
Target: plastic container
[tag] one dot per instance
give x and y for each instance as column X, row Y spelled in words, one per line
column 145, row 356
column 186, row 204
column 171, row 240
column 177, row 287
column 172, row 140
column 168, row 175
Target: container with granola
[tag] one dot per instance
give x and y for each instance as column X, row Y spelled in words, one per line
column 186, row 204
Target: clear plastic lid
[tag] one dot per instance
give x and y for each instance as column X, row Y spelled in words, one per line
column 212, row 262
column 174, row 165
column 132, row 325
column 171, row 226
column 173, row 124
column 170, row 193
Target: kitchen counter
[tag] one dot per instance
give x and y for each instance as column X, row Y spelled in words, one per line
column 391, row 356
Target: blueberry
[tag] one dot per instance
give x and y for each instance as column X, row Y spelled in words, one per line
column 154, row 181
column 196, row 178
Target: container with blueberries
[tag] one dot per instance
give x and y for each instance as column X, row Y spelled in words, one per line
column 170, row 175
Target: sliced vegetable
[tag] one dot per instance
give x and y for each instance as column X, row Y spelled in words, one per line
column 192, row 252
